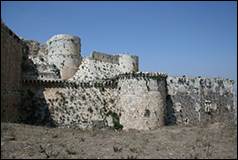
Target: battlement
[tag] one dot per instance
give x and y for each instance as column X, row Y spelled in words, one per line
column 69, row 84
column 111, row 82
column 142, row 75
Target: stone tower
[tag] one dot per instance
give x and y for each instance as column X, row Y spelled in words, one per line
column 64, row 52
column 128, row 63
column 142, row 101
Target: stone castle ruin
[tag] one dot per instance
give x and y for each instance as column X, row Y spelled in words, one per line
column 52, row 84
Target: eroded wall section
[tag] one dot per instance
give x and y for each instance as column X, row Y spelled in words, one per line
column 199, row 100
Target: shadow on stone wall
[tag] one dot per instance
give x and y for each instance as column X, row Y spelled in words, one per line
column 169, row 115
column 33, row 110
column 170, row 118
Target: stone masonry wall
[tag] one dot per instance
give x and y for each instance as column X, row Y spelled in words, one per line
column 64, row 51
column 12, row 49
column 62, row 89
column 142, row 101
column 101, row 66
column 83, row 105
column 199, row 100
column 139, row 100
column 100, row 104
column 128, row 63
column 105, row 57
column 91, row 70
column 36, row 64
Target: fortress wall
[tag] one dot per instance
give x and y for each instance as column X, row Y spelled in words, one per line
column 82, row 107
column 64, row 52
column 12, row 49
column 142, row 101
column 128, row 63
column 91, row 70
column 61, row 103
column 98, row 56
column 34, row 109
column 35, row 63
column 199, row 100
column 129, row 101
column 48, row 72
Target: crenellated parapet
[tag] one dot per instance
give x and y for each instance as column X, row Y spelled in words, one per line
column 111, row 82
column 69, row 84
column 145, row 75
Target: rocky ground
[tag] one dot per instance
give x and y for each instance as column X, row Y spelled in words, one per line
column 213, row 141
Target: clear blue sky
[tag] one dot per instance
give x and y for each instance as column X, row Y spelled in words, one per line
column 180, row 38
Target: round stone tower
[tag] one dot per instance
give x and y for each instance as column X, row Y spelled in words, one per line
column 128, row 63
column 64, row 52
column 142, row 101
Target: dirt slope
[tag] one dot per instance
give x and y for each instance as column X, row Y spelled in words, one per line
column 25, row 141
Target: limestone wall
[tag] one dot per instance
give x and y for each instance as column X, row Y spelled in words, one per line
column 63, row 103
column 128, row 63
column 81, row 107
column 12, row 49
column 105, row 57
column 131, row 101
column 199, row 100
column 34, row 109
column 101, row 66
column 142, row 100
column 91, row 70
column 64, row 52
column 36, row 64
column 127, row 101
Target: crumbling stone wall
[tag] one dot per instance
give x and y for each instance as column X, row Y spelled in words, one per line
column 91, row 70
column 12, row 49
column 101, row 66
column 199, row 100
column 36, row 64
